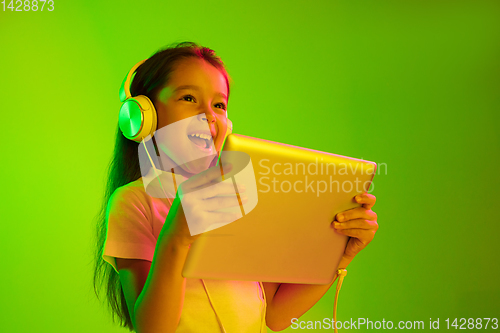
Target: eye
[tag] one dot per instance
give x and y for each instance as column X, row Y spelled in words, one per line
column 223, row 106
column 187, row 97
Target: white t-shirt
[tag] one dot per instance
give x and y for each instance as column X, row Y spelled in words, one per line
column 134, row 222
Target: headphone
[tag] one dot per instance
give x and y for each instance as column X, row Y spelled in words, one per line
column 137, row 118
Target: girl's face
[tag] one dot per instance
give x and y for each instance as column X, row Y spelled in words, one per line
column 195, row 99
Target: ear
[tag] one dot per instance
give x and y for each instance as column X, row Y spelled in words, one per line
column 229, row 127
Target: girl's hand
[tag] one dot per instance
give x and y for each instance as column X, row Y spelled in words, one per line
column 202, row 196
column 358, row 223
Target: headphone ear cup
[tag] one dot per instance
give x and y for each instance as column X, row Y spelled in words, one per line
column 137, row 118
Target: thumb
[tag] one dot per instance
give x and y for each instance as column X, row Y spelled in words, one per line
column 354, row 246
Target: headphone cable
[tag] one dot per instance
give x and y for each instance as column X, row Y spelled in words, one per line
column 212, row 305
column 341, row 273
column 156, row 172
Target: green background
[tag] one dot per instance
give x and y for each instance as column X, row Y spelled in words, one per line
column 412, row 84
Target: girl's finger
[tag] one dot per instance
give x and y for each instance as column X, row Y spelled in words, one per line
column 221, row 188
column 216, row 203
column 211, row 220
column 205, row 177
column 365, row 235
column 356, row 213
column 368, row 200
column 356, row 224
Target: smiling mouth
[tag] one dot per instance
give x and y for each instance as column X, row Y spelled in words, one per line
column 201, row 140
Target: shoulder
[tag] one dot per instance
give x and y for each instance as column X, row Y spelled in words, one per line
column 130, row 195
column 130, row 205
column 133, row 191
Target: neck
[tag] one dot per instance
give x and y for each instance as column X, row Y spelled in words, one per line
column 167, row 164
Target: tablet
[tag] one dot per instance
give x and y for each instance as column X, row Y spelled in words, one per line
column 284, row 234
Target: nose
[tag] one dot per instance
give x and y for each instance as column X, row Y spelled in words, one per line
column 207, row 115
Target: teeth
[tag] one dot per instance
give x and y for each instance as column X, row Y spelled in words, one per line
column 202, row 136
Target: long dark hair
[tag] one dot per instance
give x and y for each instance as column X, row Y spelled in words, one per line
column 124, row 167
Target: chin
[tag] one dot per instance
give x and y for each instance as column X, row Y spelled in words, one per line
column 199, row 165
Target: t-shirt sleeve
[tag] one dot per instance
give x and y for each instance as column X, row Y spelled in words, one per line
column 129, row 231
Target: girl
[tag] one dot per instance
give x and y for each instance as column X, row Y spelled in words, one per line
column 143, row 240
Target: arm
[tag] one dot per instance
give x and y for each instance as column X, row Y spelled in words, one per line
column 134, row 274
column 155, row 291
column 159, row 305
column 293, row 300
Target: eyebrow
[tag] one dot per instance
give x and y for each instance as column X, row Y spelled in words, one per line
column 198, row 89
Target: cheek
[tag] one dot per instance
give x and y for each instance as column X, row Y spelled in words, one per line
column 161, row 118
column 221, row 132
column 221, row 123
column 166, row 118
column 165, row 114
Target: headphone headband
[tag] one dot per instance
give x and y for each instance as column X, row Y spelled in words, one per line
column 125, row 88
